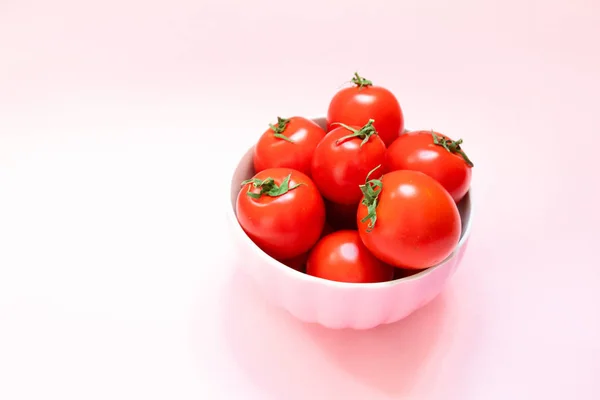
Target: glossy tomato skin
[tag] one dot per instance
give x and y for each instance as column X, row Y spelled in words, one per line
column 299, row 262
column 286, row 226
column 356, row 105
column 418, row 224
column 341, row 256
column 339, row 169
column 416, row 151
column 274, row 152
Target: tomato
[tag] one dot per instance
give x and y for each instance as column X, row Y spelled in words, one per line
column 343, row 159
column 407, row 219
column 281, row 210
column 358, row 104
column 288, row 144
column 342, row 256
column 299, row 262
column 435, row 155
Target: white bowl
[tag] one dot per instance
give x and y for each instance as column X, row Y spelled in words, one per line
column 338, row 304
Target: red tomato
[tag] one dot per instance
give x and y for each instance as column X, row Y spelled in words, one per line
column 358, row 104
column 299, row 262
column 288, row 144
column 281, row 210
column 435, row 155
column 343, row 159
column 407, row 219
column 341, row 256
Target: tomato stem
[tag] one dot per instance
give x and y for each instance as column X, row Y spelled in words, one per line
column 371, row 190
column 453, row 146
column 360, row 81
column 363, row 133
column 268, row 187
column 280, row 127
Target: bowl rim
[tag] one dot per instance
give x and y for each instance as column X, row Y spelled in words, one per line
column 342, row 285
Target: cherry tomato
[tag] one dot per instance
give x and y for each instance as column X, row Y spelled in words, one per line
column 288, row 144
column 281, row 210
column 407, row 219
column 358, row 104
column 343, row 159
column 299, row 262
column 341, row 256
column 435, row 155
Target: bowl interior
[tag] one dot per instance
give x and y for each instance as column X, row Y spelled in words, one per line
column 245, row 170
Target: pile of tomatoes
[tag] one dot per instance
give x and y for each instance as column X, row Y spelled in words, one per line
column 361, row 201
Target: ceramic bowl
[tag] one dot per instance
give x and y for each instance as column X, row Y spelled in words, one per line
column 336, row 304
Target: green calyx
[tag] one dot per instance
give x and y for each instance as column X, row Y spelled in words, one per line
column 360, row 81
column 453, row 146
column 268, row 187
column 363, row 133
column 280, row 127
column 371, row 190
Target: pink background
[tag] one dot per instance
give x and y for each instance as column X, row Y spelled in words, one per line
column 120, row 122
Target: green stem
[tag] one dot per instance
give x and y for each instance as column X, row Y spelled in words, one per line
column 268, row 187
column 363, row 133
column 452, row 146
column 280, row 127
column 360, row 81
column 371, row 190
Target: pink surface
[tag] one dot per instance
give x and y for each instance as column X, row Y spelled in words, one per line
column 114, row 114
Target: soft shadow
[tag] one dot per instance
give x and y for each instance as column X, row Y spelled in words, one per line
column 288, row 359
column 270, row 346
column 389, row 358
